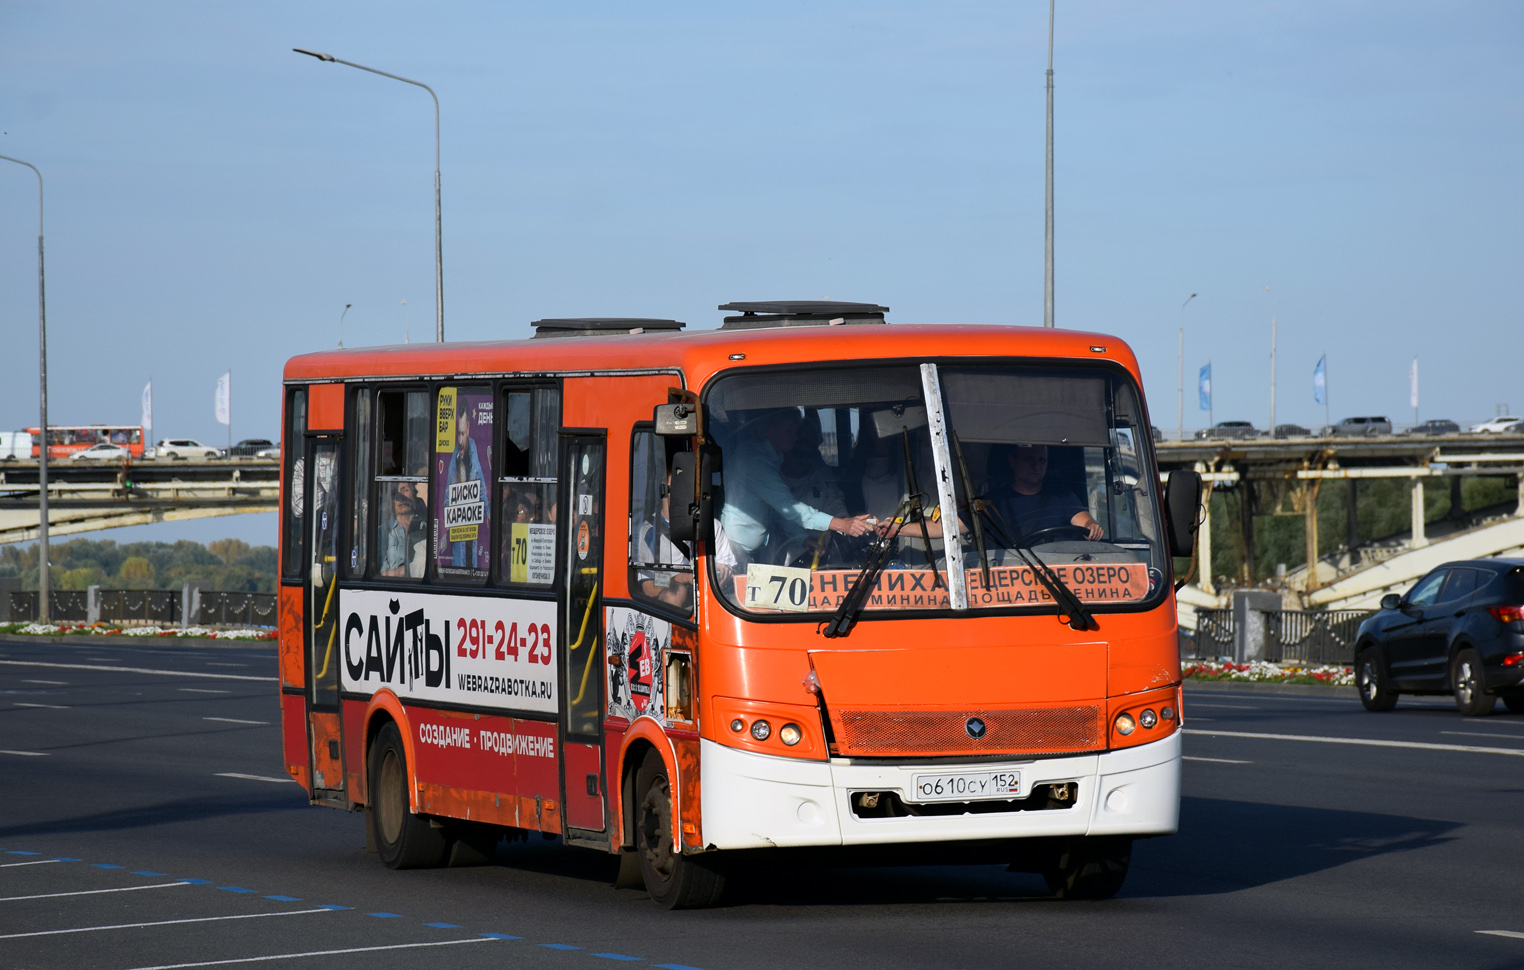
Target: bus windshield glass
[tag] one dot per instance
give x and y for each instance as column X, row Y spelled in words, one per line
column 825, row 471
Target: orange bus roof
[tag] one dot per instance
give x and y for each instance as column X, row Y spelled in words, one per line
column 700, row 354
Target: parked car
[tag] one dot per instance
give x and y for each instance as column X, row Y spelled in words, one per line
column 1496, row 426
column 250, row 447
column 183, row 448
column 1360, row 427
column 1290, row 431
column 1228, row 429
column 271, row 452
column 1435, row 426
column 1459, row 630
column 103, row 451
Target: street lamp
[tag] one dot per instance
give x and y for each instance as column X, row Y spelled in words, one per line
column 1180, row 390
column 44, row 584
column 1047, row 248
column 341, row 324
column 438, row 232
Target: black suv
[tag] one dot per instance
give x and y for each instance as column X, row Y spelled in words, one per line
column 1459, row 630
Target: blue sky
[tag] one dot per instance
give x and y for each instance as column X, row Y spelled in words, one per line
column 214, row 200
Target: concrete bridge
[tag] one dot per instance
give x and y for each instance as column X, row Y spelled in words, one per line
column 84, row 496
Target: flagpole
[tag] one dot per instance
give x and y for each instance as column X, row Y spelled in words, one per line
column 230, row 412
column 1327, row 421
column 1211, row 417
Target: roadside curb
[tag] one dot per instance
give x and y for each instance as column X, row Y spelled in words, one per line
column 1306, row 690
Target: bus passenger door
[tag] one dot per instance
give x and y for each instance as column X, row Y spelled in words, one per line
column 323, row 657
column 581, row 502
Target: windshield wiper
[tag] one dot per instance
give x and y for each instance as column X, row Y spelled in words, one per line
column 1079, row 617
column 845, row 617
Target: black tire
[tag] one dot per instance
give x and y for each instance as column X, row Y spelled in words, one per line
column 1469, row 683
column 403, row 840
column 1514, row 703
column 1089, row 868
column 674, row 880
column 1371, row 681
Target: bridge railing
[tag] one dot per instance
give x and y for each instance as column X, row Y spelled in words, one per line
column 1289, row 636
column 190, row 606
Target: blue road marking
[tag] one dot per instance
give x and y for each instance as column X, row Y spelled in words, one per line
column 446, row 926
column 145, row 872
column 285, row 899
column 559, row 946
column 495, row 936
column 20, row 852
column 197, row 882
column 385, row 915
column 619, row 956
column 334, row 908
column 105, row 865
column 234, row 889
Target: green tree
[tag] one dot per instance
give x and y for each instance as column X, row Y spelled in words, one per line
column 136, row 573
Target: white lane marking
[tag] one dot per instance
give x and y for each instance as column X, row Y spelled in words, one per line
column 1221, row 761
column 1479, row 734
column 234, row 774
column 25, row 754
column 130, row 670
column 36, row 862
column 1367, row 742
column 165, row 922
column 50, row 683
column 1511, row 934
column 1195, row 718
column 1231, row 707
column 50, row 707
column 318, row 953
column 233, row 720
column 213, row 663
column 201, row 690
column 92, row 892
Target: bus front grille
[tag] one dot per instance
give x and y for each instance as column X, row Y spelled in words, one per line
column 1035, row 730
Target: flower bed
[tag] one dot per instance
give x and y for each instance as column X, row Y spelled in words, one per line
column 101, row 629
column 1260, row 672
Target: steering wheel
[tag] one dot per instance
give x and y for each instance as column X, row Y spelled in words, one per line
column 1057, row 533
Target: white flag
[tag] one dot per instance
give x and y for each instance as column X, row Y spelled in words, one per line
column 1413, row 384
column 147, row 421
column 225, row 398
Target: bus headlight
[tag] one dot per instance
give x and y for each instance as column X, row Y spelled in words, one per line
column 761, row 730
column 737, row 725
column 1148, row 718
column 790, row 734
column 1125, row 725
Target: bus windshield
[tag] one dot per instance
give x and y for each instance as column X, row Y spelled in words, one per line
column 826, row 470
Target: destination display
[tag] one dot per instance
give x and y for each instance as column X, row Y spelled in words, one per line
column 782, row 588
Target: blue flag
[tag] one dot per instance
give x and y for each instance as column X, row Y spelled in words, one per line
column 1204, row 387
column 1320, row 380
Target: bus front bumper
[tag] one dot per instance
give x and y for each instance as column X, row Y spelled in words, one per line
column 752, row 801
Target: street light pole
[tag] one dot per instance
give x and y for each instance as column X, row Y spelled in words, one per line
column 1272, row 359
column 1047, row 249
column 1180, row 389
column 44, row 582
column 341, row 324
column 438, row 223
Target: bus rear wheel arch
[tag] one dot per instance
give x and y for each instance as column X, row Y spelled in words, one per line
column 403, row 840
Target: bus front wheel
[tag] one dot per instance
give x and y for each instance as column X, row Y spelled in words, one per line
column 403, row 840
column 674, row 880
column 1089, row 868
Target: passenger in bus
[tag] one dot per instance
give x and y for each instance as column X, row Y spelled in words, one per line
column 756, row 493
column 806, row 473
column 402, row 534
column 1027, row 503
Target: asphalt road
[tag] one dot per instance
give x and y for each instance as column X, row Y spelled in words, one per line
column 145, row 821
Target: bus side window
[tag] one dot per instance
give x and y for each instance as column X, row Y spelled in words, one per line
column 529, row 420
column 660, row 568
column 296, row 428
column 402, row 484
column 360, row 477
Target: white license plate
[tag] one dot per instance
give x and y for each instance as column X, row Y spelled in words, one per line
column 966, row 786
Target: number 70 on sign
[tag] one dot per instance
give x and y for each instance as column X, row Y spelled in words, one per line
column 778, row 587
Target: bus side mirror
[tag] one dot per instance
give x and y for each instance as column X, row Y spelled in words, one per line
column 676, row 420
column 1182, row 507
column 687, row 505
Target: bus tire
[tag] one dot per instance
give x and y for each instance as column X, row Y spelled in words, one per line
column 1089, row 868
column 403, row 840
column 674, row 880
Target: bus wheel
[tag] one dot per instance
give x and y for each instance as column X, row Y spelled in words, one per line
column 403, row 840
column 1089, row 868
column 674, row 880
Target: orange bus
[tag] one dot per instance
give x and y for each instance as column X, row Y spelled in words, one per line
column 807, row 580
column 64, row 441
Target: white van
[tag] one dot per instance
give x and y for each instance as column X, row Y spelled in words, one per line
column 15, row 444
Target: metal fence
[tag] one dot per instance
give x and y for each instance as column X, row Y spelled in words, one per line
column 223, row 608
column 63, row 604
column 154, row 605
column 1291, row 636
column 163, row 607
